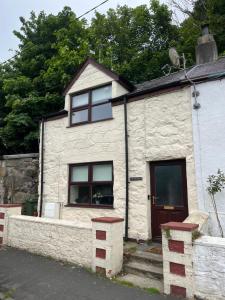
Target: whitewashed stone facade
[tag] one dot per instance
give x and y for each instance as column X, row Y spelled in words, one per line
column 209, row 268
column 159, row 128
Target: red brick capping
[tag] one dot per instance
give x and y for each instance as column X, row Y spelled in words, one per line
column 100, row 235
column 10, row 205
column 176, row 246
column 177, row 269
column 179, row 226
column 101, row 271
column 100, row 253
column 107, row 220
column 178, row 291
column 1, row 227
column 2, row 215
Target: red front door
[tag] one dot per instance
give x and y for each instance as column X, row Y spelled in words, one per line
column 168, row 193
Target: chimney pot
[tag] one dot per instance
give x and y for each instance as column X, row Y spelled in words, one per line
column 205, row 29
column 206, row 49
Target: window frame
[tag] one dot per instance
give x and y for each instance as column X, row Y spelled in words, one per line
column 87, row 106
column 90, row 183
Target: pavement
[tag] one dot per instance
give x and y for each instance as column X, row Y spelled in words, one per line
column 24, row 276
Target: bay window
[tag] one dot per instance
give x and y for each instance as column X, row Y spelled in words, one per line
column 92, row 105
column 91, row 184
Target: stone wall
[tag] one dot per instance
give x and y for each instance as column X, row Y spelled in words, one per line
column 99, row 246
column 159, row 128
column 209, row 268
column 18, row 177
column 62, row 240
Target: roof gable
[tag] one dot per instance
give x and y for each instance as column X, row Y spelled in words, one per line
column 90, row 61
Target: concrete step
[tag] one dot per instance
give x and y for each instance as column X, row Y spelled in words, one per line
column 147, row 258
column 143, row 269
column 142, row 282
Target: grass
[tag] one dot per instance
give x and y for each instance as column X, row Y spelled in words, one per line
column 152, row 290
column 124, row 282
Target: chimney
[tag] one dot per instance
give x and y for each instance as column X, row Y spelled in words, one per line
column 206, row 49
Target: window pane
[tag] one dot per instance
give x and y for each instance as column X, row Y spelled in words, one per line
column 79, row 194
column 102, row 172
column 102, row 194
column 101, row 112
column 80, row 116
column 79, row 174
column 102, row 94
column 80, row 100
column 169, row 185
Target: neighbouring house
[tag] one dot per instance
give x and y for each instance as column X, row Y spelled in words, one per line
column 140, row 152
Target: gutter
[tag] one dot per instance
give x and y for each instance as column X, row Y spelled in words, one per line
column 42, row 167
column 127, row 169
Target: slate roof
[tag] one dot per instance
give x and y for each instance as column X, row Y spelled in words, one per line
column 197, row 72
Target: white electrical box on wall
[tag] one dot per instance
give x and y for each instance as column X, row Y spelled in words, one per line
column 52, row 210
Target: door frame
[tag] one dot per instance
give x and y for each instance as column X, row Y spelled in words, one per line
column 152, row 164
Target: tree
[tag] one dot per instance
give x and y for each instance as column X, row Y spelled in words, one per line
column 134, row 41
column 51, row 48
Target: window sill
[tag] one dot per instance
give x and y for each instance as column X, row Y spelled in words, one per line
column 85, row 123
column 90, row 206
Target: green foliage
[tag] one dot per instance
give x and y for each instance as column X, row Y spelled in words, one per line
column 152, row 291
column 216, row 183
column 132, row 41
column 211, row 12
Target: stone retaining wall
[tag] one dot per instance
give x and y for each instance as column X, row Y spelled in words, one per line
column 18, row 177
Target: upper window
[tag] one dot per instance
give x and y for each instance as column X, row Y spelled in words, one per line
column 91, row 106
column 91, row 184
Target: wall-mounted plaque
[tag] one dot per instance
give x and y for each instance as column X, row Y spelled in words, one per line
column 136, row 178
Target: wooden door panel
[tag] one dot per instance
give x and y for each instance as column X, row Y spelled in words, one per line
column 169, row 201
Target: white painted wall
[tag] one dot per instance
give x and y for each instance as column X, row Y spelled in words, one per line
column 209, row 268
column 59, row 239
column 159, row 127
column 91, row 77
column 209, row 141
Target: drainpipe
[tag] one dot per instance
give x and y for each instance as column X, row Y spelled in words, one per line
column 42, row 166
column 127, row 168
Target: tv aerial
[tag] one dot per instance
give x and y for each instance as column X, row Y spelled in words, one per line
column 178, row 62
column 174, row 57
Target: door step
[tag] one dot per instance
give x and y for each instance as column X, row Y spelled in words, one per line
column 142, row 269
column 142, row 282
column 146, row 257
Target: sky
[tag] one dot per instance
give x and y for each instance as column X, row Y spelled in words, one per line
column 11, row 10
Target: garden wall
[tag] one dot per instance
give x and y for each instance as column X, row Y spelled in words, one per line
column 99, row 246
column 209, row 267
column 62, row 240
column 18, row 177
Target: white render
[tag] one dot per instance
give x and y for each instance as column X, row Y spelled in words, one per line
column 209, row 268
column 159, row 127
column 185, row 259
column 113, row 245
column 59, row 239
column 209, row 141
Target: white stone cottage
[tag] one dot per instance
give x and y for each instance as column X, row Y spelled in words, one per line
column 128, row 151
